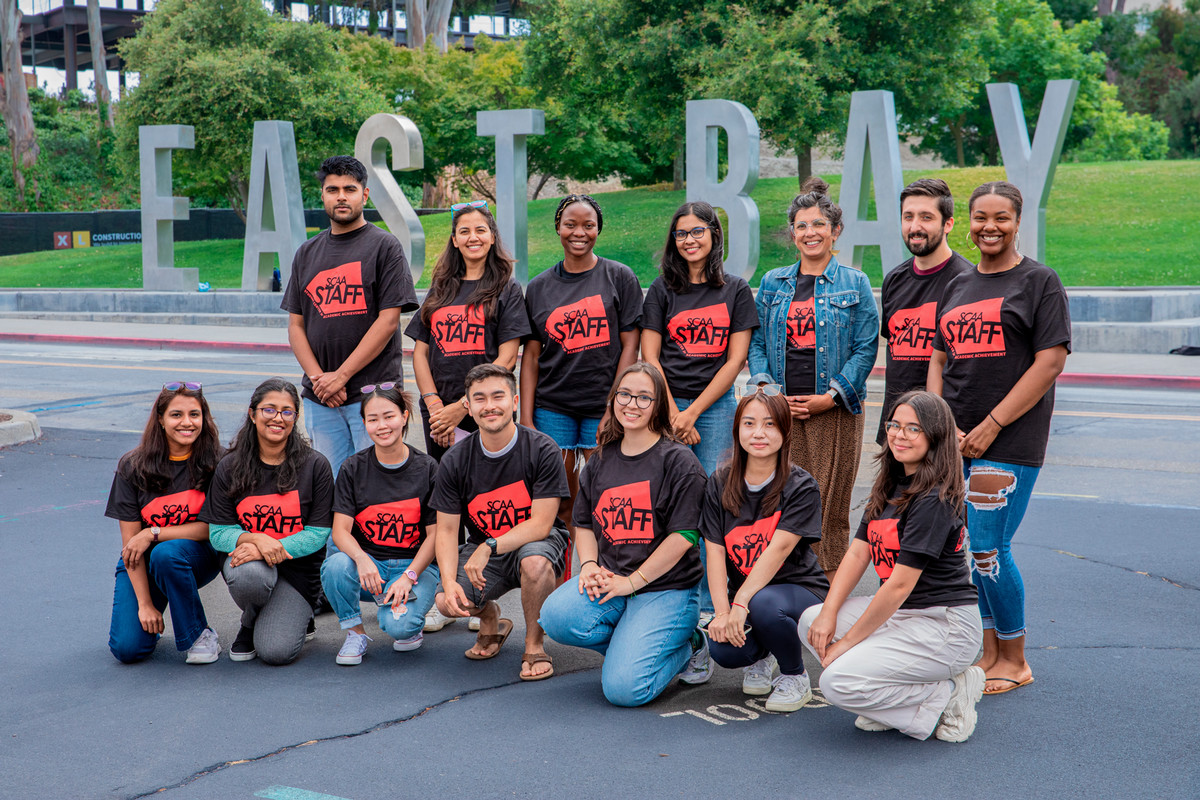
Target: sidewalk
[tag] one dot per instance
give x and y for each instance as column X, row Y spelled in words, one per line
column 1129, row 370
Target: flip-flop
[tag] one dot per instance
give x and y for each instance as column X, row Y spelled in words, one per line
column 488, row 639
column 537, row 658
column 1015, row 685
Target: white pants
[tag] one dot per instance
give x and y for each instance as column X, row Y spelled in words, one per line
column 900, row 675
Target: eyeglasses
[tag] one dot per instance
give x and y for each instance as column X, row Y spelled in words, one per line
column 473, row 204
column 911, row 431
column 269, row 412
column 695, row 233
column 175, row 386
column 641, row 400
column 383, row 387
column 749, row 390
column 818, row 226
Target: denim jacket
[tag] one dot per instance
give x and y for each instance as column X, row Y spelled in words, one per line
column 847, row 330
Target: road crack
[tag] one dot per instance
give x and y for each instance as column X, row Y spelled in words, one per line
column 1178, row 584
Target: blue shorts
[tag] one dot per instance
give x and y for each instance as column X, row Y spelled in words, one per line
column 568, row 431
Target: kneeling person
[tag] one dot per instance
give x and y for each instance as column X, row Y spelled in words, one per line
column 506, row 481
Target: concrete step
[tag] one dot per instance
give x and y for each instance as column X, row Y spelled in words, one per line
column 273, row 319
column 1158, row 304
column 1134, row 337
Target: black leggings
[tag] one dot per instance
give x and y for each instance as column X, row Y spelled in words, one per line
column 773, row 614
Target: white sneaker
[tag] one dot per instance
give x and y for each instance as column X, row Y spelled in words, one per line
column 473, row 624
column 353, row 649
column 206, row 649
column 759, row 677
column 411, row 643
column 436, row 620
column 958, row 720
column 699, row 667
column 791, row 693
column 868, row 724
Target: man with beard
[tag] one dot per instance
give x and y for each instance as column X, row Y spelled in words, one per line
column 911, row 290
column 348, row 286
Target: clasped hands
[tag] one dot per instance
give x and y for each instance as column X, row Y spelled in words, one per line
column 603, row 584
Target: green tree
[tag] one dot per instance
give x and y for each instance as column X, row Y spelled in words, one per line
column 221, row 65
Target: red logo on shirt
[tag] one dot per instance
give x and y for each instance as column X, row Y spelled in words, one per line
column 962, row 537
column 974, row 330
column 884, row 538
column 701, row 332
column 911, row 331
column 745, row 543
column 276, row 515
column 338, row 292
column 579, row 326
column 498, row 511
column 395, row 524
column 801, row 325
column 173, row 509
column 625, row 514
column 458, row 330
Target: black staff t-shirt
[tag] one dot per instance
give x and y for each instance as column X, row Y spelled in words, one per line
column 800, row 369
column 990, row 326
column 390, row 507
column 929, row 536
column 461, row 336
column 266, row 510
column 633, row 503
column 493, row 494
column 746, row 534
column 177, row 504
column 578, row 318
column 695, row 329
column 909, row 300
column 339, row 284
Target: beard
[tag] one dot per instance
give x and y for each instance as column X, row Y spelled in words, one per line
column 923, row 249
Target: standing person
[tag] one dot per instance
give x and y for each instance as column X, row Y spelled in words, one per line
column 473, row 314
column 760, row 517
column 1004, row 332
column 348, row 286
column 912, row 289
column 636, row 599
column 383, row 528
column 818, row 341
column 696, row 326
column 156, row 496
column 270, row 508
column 585, row 313
column 506, row 482
column 902, row 658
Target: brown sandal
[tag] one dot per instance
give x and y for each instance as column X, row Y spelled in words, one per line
column 537, row 658
column 485, row 640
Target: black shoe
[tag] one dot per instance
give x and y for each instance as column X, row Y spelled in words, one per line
column 243, row 645
column 310, row 632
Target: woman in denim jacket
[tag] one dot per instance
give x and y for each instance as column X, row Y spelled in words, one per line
column 817, row 343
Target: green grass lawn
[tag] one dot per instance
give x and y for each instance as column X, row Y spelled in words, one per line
column 1115, row 224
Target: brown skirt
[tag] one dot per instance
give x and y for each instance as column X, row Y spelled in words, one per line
column 828, row 446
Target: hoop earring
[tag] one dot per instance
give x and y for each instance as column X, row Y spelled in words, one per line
column 1017, row 241
column 972, row 245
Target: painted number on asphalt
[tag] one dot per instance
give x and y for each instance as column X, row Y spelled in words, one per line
column 723, row 713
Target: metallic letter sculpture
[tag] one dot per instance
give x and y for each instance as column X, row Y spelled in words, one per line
column 704, row 118
column 873, row 119
column 275, row 209
column 510, row 127
column 408, row 153
column 160, row 209
column 1031, row 169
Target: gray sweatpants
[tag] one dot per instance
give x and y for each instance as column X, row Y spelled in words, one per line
column 277, row 612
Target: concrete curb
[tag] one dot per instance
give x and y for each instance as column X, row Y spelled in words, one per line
column 1103, row 379
column 23, row 427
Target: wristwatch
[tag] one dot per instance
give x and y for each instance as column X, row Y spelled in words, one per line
column 412, row 576
column 154, row 532
column 491, row 543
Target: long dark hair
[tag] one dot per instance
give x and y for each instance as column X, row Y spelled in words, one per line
column 150, row 461
column 941, row 469
column 675, row 270
column 246, row 467
column 660, row 419
column 451, row 269
column 734, row 493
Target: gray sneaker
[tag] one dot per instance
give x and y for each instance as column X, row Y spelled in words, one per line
column 411, row 643
column 436, row 620
column 353, row 649
column 792, row 693
column 206, row 649
column 699, row 667
column 958, row 720
column 759, row 677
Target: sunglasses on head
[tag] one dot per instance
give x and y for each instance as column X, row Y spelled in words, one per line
column 175, row 386
column 383, row 387
column 749, row 390
column 473, row 204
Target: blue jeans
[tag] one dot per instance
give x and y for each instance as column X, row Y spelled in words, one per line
column 715, row 427
column 339, row 579
column 568, row 431
column 774, row 612
column 645, row 639
column 177, row 568
column 336, row 433
column 997, row 496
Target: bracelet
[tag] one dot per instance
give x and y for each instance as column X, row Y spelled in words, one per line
column 429, row 394
column 995, row 420
column 739, row 605
column 589, row 561
column 644, row 581
column 632, row 588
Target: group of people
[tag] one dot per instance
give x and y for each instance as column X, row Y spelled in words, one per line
column 710, row 522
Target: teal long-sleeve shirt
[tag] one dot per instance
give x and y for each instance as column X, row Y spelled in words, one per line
column 306, row 542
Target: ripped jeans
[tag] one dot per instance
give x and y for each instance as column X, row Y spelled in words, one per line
column 997, row 496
